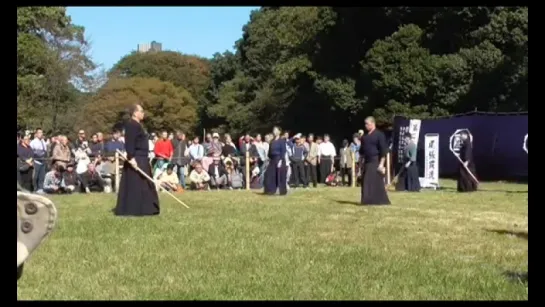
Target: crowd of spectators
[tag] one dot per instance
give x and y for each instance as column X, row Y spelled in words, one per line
column 55, row 165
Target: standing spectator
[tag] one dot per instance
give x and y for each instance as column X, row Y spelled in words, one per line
column 196, row 151
column 345, row 154
column 39, row 148
column 96, row 146
column 114, row 144
column 312, row 161
column 61, row 153
column 326, row 157
column 80, row 140
column 355, row 148
column 262, row 152
column 206, row 143
column 163, row 153
column 229, row 149
column 25, row 163
column 213, row 151
column 181, row 156
column 151, row 145
column 298, row 157
column 199, row 178
column 91, row 180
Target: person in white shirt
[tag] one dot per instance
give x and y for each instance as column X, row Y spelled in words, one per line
column 326, row 156
column 199, row 178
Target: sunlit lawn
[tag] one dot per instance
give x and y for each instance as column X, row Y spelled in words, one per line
column 312, row 244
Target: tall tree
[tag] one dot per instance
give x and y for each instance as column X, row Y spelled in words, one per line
column 166, row 105
column 52, row 58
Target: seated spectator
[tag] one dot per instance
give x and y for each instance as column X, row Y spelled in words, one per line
column 169, row 180
column 218, row 175
column 70, row 178
column 61, row 152
column 199, row 178
column 234, row 177
column 91, row 180
column 106, row 169
column 54, row 183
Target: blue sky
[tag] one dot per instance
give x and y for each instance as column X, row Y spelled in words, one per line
column 115, row 31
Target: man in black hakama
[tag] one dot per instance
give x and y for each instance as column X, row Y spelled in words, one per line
column 373, row 152
column 466, row 183
column 276, row 173
column 137, row 195
column 408, row 177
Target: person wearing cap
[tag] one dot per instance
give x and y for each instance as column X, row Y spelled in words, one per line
column 70, row 178
column 218, row 175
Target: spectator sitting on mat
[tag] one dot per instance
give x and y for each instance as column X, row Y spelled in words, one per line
column 92, row 181
column 169, row 180
column 199, row 178
column 70, row 178
column 54, row 183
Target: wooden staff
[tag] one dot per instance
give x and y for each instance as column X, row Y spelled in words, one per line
column 117, row 173
column 353, row 166
column 388, row 175
column 150, row 179
column 247, row 170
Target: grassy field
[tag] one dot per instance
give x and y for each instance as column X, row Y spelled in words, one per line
column 312, row 244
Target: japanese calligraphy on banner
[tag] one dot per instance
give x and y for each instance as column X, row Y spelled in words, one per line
column 456, row 141
column 431, row 152
column 401, row 143
column 414, row 129
column 525, row 143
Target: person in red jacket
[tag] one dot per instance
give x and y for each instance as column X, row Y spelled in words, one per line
column 163, row 152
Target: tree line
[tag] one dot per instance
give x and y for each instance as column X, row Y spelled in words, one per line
column 307, row 69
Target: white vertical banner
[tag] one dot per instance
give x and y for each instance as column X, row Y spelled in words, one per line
column 431, row 152
column 414, row 129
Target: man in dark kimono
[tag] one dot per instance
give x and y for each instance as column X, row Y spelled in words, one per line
column 408, row 178
column 373, row 152
column 466, row 183
column 137, row 195
column 275, row 175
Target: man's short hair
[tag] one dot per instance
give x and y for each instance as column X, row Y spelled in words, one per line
column 370, row 119
column 408, row 135
column 132, row 109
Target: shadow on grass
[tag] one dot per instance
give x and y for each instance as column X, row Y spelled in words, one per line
column 454, row 190
column 517, row 276
column 347, row 202
column 518, row 234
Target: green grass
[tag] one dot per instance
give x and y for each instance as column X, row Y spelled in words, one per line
column 312, row 244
